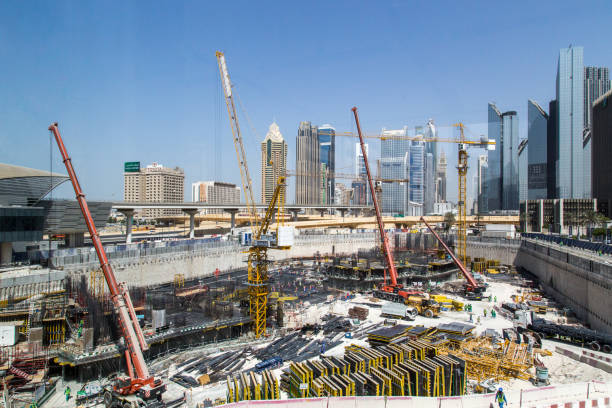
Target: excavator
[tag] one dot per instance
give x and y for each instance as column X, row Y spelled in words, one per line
column 472, row 289
column 394, row 291
column 139, row 388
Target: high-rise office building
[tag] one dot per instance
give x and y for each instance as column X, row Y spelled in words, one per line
column 430, row 184
column 537, row 134
column 570, row 123
column 360, row 170
column 441, row 179
column 395, row 164
column 503, row 161
column 602, row 151
column 155, row 184
column 307, row 165
column 482, row 183
column 552, row 151
column 327, row 156
column 215, row 192
column 417, row 172
column 273, row 162
column 432, row 148
column 596, row 83
column 523, row 161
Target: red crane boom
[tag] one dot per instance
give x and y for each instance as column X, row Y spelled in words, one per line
column 381, row 226
column 132, row 334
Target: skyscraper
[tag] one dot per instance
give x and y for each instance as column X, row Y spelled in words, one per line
column 570, row 123
column 308, row 165
column 430, row 184
column 360, row 170
column 602, row 150
column 596, row 83
column 481, row 190
column 552, row 151
column 441, row 179
column 523, row 154
column 327, row 157
column 273, row 162
column 503, row 161
column 432, row 148
column 537, row 134
column 417, row 172
column 395, row 164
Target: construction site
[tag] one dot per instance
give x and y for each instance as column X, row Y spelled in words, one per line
column 416, row 316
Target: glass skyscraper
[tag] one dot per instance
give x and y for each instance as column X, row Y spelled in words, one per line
column 502, row 182
column 570, row 123
column 417, row 172
column 523, row 154
column 537, row 134
column 327, row 157
column 395, row 164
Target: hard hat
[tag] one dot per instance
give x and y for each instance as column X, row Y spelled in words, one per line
column 500, row 389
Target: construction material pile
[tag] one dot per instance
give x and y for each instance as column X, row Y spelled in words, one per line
column 202, row 370
column 357, row 312
column 486, row 359
column 247, row 386
column 396, row 369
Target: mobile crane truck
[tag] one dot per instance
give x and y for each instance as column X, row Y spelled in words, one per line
column 138, row 388
column 394, row 292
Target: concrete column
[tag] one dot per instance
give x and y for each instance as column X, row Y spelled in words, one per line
column 232, row 212
column 6, row 253
column 191, row 212
column 343, row 211
column 129, row 220
column 294, row 213
column 321, row 211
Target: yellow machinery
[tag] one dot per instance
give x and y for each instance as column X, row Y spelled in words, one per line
column 258, row 252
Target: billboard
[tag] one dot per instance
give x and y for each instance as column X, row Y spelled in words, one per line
column 131, row 167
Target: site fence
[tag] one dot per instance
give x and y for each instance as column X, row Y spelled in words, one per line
column 576, row 395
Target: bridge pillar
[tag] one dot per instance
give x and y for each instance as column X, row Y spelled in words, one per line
column 232, row 212
column 322, row 211
column 129, row 220
column 342, row 211
column 191, row 212
column 294, row 213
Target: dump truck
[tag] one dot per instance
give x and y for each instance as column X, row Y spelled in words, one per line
column 399, row 311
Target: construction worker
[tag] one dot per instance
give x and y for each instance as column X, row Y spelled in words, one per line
column 67, row 393
column 484, row 311
column 500, row 398
column 493, row 314
column 495, row 299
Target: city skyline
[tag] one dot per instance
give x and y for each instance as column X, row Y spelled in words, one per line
column 125, row 108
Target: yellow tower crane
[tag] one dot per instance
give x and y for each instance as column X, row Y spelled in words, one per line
column 258, row 252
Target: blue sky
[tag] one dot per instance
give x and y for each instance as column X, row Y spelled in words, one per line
column 138, row 81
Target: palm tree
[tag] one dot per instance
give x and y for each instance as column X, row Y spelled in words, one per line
column 449, row 221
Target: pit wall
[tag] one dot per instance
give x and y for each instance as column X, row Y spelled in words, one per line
column 580, row 395
column 582, row 283
column 503, row 250
column 141, row 265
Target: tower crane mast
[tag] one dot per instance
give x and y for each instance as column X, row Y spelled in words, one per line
column 139, row 382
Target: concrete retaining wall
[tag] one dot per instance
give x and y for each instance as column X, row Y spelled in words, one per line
column 504, row 250
column 581, row 283
column 138, row 267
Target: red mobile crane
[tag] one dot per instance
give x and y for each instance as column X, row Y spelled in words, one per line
column 473, row 290
column 139, row 384
column 394, row 291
